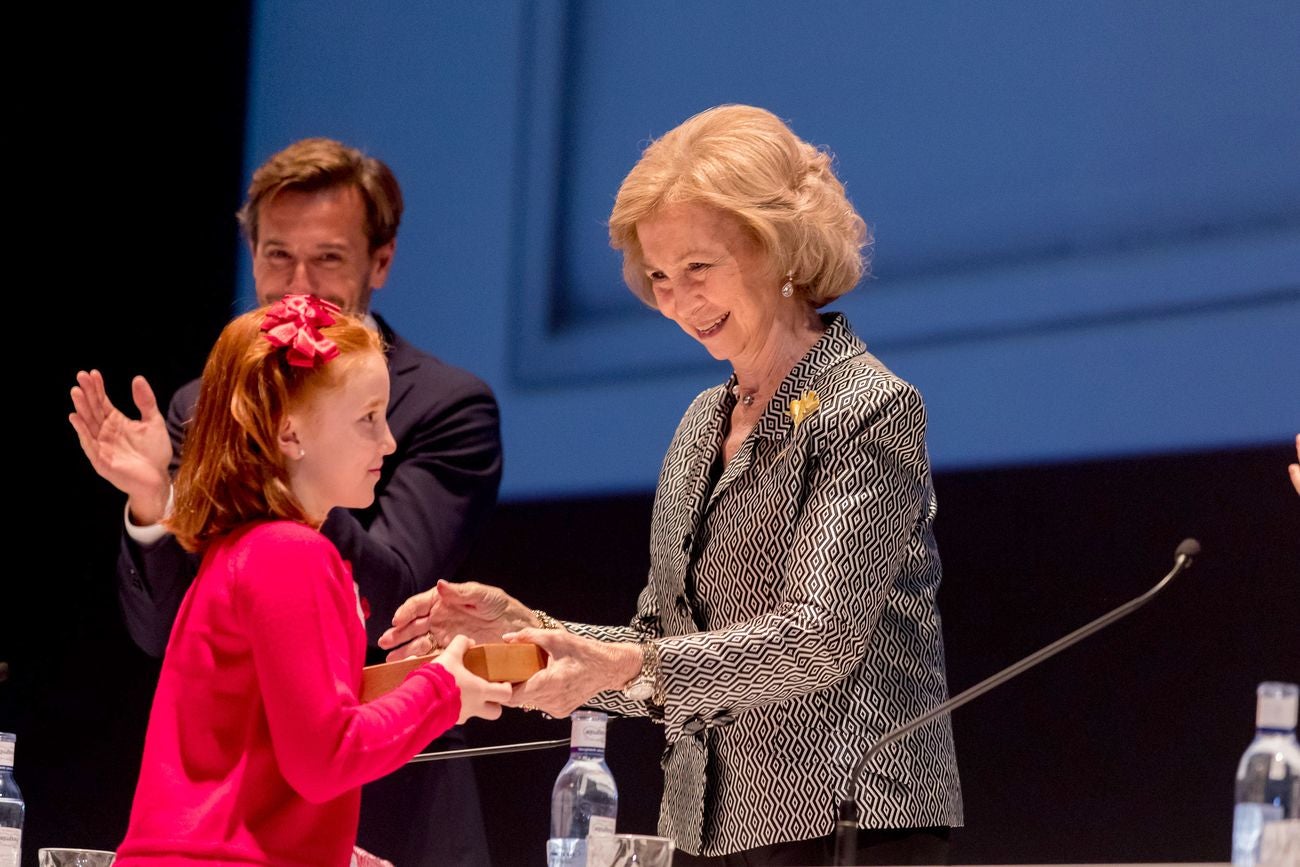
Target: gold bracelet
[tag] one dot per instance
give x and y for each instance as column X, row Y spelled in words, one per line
column 546, row 621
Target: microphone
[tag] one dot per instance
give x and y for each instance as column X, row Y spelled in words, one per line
column 846, row 825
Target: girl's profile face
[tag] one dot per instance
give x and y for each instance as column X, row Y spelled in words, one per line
column 342, row 433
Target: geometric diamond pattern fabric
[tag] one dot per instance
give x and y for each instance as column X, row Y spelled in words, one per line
column 792, row 598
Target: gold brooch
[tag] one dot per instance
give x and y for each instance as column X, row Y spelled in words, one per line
column 802, row 407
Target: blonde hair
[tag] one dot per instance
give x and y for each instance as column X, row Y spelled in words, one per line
column 745, row 162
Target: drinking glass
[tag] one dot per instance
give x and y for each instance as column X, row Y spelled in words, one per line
column 74, row 858
column 625, row 850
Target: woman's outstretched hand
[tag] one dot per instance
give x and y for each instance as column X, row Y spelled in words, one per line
column 478, row 697
column 576, row 669
column 430, row 619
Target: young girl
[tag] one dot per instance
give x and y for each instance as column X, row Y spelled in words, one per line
column 257, row 743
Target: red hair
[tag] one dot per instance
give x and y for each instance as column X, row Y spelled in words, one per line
column 232, row 470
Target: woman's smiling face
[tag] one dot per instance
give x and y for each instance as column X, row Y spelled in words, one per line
column 712, row 278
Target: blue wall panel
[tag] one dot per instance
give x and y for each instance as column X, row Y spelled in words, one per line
column 1088, row 241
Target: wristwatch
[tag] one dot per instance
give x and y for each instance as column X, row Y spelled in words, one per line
column 647, row 686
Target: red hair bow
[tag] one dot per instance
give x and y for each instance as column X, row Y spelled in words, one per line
column 295, row 322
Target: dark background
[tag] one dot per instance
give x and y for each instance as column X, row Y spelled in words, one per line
column 1121, row 749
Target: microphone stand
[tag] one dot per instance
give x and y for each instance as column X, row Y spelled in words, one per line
column 846, row 825
column 471, row 752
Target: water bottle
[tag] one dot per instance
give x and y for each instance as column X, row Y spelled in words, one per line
column 584, row 801
column 11, row 806
column 1268, row 777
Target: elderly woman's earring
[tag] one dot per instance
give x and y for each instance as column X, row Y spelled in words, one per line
column 788, row 289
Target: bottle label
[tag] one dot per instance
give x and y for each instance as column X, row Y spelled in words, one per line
column 1276, row 712
column 600, row 826
column 588, row 734
column 566, row 852
column 11, row 840
column 6, row 754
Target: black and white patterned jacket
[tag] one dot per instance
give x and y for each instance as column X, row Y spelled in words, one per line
column 793, row 605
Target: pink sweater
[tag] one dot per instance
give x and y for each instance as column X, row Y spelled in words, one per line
column 257, row 743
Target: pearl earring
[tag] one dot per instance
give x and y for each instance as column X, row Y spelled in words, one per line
column 302, row 453
column 788, row 289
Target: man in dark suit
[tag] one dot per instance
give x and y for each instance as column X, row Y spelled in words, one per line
column 322, row 218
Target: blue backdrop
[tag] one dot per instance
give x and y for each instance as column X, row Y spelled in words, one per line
column 1088, row 238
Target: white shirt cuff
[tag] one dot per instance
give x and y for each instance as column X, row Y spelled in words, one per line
column 148, row 534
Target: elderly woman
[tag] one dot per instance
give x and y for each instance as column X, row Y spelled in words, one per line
column 790, row 619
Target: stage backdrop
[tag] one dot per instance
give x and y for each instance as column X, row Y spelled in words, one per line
column 1087, row 239
column 1084, row 258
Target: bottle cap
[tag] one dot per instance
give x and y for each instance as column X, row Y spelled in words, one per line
column 1276, row 705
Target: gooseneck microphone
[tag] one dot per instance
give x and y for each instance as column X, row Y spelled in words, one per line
column 846, row 826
